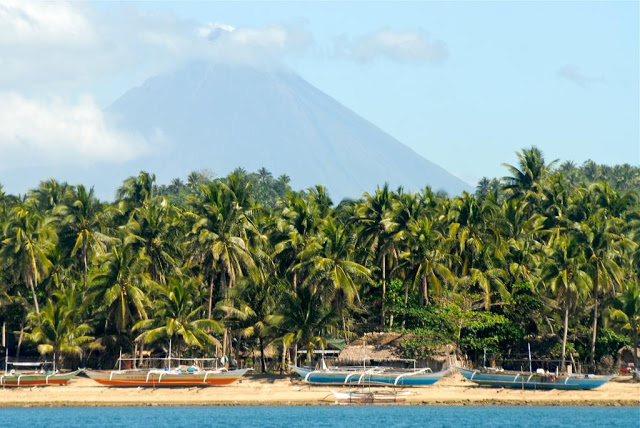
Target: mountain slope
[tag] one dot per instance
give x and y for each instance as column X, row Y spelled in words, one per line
column 221, row 117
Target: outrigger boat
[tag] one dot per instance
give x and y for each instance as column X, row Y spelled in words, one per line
column 541, row 379
column 369, row 376
column 194, row 374
column 361, row 396
column 24, row 373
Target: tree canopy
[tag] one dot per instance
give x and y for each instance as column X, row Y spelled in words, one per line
column 548, row 254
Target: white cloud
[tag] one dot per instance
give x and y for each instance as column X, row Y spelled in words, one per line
column 36, row 133
column 399, row 46
column 574, row 74
column 64, row 47
column 212, row 30
column 252, row 45
column 44, row 23
column 44, row 43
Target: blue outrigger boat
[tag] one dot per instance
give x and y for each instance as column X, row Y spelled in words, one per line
column 369, row 376
column 538, row 380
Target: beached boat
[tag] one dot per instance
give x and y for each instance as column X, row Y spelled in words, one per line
column 184, row 377
column 41, row 373
column 362, row 396
column 539, row 380
column 369, row 376
column 171, row 373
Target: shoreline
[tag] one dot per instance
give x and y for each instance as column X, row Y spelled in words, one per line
column 260, row 390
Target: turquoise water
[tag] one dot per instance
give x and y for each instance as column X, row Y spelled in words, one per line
column 321, row 416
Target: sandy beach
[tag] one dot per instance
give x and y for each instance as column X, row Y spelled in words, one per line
column 285, row 390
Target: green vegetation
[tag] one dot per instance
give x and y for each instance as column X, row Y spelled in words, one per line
column 547, row 255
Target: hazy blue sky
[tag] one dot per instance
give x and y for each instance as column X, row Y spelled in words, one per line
column 465, row 84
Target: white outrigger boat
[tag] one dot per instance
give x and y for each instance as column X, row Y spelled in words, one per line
column 359, row 375
column 39, row 373
column 180, row 375
column 540, row 379
column 362, row 396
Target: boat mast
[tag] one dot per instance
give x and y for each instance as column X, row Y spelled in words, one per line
column 529, row 347
column 169, row 353
column 120, row 361
column 6, row 361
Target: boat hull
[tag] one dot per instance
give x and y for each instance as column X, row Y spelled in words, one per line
column 36, row 379
column 364, row 377
column 155, row 379
column 368, row 397
column 533, row 381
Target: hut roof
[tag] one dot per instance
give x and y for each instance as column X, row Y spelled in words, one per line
column 382, row 347
column 628, row 349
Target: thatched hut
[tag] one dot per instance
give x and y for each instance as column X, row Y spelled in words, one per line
column 385, row 349
column 625, row 357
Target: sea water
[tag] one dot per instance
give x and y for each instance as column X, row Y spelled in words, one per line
column 322, row 416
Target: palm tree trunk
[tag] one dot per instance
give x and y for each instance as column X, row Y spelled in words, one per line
column 33, row 292
column 224, row 342
column 58, row 360
column 406, row 294
column 425, row 290
column 295, row 281
column 262, row 361
column 634, row 332
column 406, row 302
column 237, row 348
column 86, row 267
column 565, row 329
column 344, row 323
column 210, row 296
column 295, row 354
column 283, row 363
column 595, row 324
column 20, row 340
column 384, row 290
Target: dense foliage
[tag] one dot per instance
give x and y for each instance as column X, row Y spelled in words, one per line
column 546, row 255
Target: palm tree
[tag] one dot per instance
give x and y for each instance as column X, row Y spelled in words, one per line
column 374, row 219
column 57, row 331
column 49, row 194
column 251, row 306
column 602, row 242
column 525, row 178
column 627, row 310
column 298, row 223
column 152, row 231
column 519, row 232
column 306, row 318
column 199, row 178
column 135, row 191
column 176, row 315
column 565, row 273
column 121, row 286
column 468, row 228
column 28, row 238
column 426, row 245
column 218, row 239
column 328, row 263
column 81, row 226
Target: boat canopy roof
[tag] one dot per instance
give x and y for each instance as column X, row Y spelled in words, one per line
column 25, row 364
